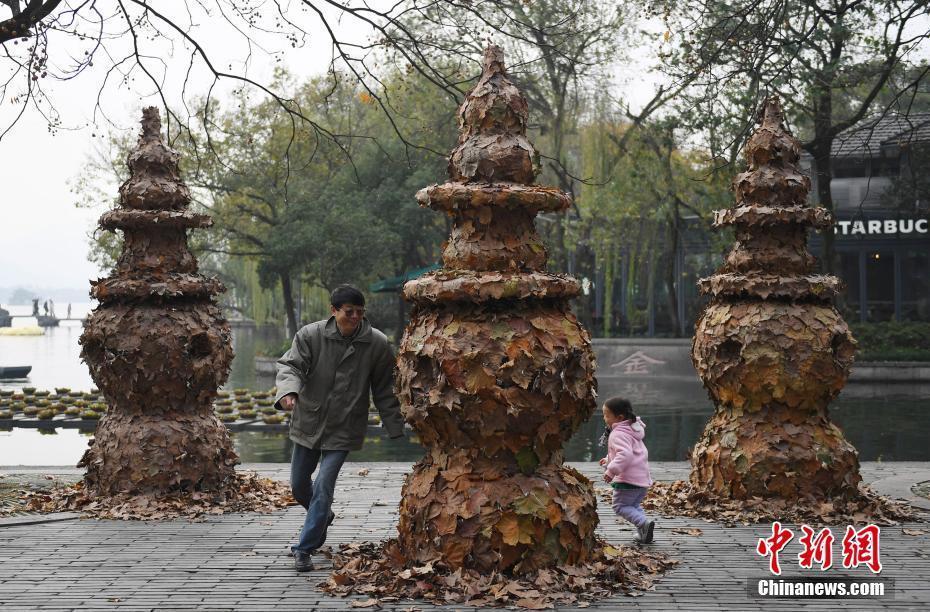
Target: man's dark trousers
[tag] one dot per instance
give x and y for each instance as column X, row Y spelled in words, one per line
column 316, row 496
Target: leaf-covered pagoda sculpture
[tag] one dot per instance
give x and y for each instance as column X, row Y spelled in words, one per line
column 770, row 347
column 157, row 345
column 494, row 375
column 495, row 372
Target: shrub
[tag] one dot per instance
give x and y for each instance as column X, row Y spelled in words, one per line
column 892, row 341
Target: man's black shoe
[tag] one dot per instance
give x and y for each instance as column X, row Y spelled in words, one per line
column 303, row 562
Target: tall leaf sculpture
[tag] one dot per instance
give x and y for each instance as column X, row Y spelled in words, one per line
column 157, row 346
column 495, row 372
column 770, row 347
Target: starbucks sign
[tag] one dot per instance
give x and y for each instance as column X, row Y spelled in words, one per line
column 871, row 227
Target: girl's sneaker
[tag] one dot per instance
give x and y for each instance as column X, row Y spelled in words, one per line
column 646, row 532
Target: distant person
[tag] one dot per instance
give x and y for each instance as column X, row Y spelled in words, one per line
column 325, row 379
column 626, row 466
column 35, row 307
column 45, row 307
column 51, row 308
column 69, row 310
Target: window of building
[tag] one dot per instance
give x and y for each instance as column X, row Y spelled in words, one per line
column 879, row 284
column 915, row 285
column 886, row 166
column 849, row 272
column 849, row 167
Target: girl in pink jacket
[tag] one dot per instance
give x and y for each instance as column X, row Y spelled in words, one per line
column 626, row 466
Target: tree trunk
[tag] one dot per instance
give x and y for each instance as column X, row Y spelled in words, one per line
column 608, row 306
column 671, row 282
column 401, row 317
column 289, row 307
column 823, row 170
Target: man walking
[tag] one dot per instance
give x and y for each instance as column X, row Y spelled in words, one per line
column 325, row 379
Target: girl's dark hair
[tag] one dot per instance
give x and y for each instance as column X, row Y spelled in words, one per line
column 620, row 407
column 346, row 294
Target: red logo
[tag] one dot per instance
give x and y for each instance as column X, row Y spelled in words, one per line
column 817, row 548
column 861, row 548
column 772, row 546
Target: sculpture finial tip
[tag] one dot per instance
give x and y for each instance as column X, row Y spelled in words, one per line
column 151, row 122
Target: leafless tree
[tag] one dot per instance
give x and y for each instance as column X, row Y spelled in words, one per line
column 835, row 63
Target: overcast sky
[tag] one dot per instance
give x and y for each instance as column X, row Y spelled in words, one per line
column 44, row 235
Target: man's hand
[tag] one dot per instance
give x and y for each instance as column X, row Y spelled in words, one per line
column 607, row 477
column 289, row 401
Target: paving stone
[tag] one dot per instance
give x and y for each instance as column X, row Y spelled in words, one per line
column 239, row 561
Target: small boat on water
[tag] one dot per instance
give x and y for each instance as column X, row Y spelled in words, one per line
column 7, row 372
column 32, row 330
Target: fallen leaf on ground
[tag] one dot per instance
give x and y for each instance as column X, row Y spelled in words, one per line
column 370, row 568
column 246, row 492
column 533, row 604
column 913, row 532
column 363, row 472
column 693, row 531
column 366, row 603
column 681, row 498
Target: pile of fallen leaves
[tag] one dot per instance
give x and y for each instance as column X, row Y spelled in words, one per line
column 380, row 572
column 922, row 489
column 679, row 498
column 247, row 493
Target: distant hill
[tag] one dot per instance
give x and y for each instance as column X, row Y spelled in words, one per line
column 23, row 296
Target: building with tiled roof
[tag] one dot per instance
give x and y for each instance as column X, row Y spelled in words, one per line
column 869, row 156
column 883, row 245
column 883, row 137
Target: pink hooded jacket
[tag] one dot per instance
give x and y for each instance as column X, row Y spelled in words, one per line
column 627, row 457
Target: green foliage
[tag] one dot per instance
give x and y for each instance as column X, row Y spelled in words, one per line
column 910, row 191
column 333, row 210
column 892, row 341
column 295, row 208
column 832, row 65
column 652, row 193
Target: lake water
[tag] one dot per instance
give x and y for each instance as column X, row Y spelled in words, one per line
column 885, row 426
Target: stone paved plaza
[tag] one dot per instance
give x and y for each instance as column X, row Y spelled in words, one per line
column 240, row 561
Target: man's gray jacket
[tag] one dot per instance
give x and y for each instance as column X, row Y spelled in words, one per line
column 332, row 376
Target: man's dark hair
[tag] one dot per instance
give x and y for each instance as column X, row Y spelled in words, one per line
column 346, row 294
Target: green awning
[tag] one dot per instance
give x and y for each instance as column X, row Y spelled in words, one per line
column 396, row 283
